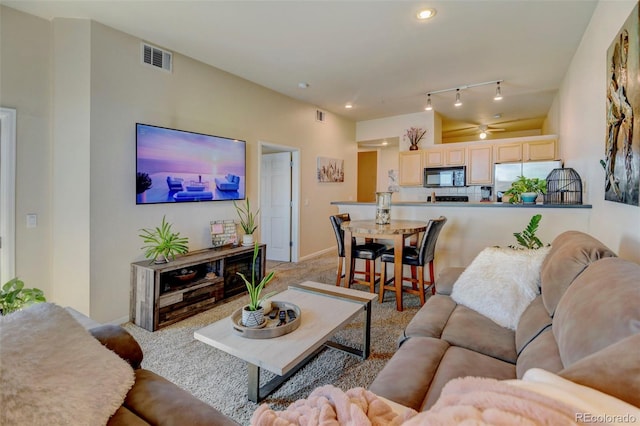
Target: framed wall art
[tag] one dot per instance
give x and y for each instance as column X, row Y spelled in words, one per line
column 622, row 145
column 330, row 170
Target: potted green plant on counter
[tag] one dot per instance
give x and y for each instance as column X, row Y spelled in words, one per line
column 526, row 190
column 13, row 296
column 162, row 244
column 247, row 221
column 253, row 313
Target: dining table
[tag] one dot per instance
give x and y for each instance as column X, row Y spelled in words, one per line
column 397, row 231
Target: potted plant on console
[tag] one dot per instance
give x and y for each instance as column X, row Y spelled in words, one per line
column 247, row 221
column 526, row 190
column 162, row 244
column 253, row 313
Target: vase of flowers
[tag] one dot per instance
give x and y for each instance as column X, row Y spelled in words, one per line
column 414, row 135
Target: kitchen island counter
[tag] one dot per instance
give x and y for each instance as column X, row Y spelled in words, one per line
column 464, row 204
column 473, row 226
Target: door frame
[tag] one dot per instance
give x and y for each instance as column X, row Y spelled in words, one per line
column 269, row 148
column 7, row 193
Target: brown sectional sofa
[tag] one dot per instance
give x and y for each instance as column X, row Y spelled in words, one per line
column 584, row 326
column 153, row 399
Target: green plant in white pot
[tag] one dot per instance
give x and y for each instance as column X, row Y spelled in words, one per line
column 253, row 313
column 13, row 296
column 162, row 244
column 247, row 221
column 526, row 190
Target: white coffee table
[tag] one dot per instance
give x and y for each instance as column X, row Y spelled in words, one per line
column 325, row 309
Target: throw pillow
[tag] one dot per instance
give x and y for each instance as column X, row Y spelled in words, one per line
column 500, row 283
column 53, row 371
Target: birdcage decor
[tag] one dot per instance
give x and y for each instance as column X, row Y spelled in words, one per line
column 564, row 186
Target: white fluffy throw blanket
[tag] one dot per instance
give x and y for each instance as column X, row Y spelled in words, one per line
column 500, row 283
column 54, row 372
column 469, row 400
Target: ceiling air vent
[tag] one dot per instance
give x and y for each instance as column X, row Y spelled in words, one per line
column 156, row 57
column 320, row 116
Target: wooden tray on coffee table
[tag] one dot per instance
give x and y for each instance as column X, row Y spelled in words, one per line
column 271, row 329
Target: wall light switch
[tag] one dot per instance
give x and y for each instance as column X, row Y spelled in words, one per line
column 32, row 220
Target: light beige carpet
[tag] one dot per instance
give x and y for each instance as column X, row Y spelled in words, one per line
column 221, row 380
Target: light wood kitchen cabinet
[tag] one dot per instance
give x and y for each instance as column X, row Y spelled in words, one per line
column 508, row 153
column 410, row 168
column 480, row 165
column 539, row 150
column 445, row 156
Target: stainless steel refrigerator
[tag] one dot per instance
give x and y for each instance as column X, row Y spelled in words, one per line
column 505, row 173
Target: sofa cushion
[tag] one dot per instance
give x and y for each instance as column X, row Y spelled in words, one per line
column 406, row 377
column 571, row 252
column 589, row 317
column 500, row 283
column 460, row 362
column 614, row 370
column 158, row 401
column 432, row 318
column 533, row 321
column 541, row 352
column 52, row 370
column 468, row 329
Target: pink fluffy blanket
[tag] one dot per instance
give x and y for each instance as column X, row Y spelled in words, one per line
column 469, row 400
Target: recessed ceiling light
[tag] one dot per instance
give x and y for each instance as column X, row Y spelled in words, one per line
column 303, row 85
column 348, row 106
column 426, row 14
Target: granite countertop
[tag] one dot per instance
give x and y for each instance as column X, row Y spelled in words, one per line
column 466, row 204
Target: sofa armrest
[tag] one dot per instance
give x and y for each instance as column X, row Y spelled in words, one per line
column 446, row 280
column 119, row 341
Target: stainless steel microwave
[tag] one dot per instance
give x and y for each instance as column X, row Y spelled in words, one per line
column 443, row 177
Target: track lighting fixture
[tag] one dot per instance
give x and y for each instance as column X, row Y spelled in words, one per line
column 458, row 90
column 498, row 95
column 458, row 101
column 428, row 107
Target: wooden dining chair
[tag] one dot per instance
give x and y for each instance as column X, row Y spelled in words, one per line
column 416, row 257
column 369, row 251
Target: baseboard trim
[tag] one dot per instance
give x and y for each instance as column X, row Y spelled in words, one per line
column 319, row 253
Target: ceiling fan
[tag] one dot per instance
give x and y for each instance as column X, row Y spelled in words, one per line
column 482, row 129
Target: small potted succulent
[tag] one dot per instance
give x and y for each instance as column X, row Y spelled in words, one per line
column 253, row 313
column 526, row 190
column 162, row 244
column 247, row 221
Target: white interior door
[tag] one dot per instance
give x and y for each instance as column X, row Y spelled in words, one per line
column 7, row 193
column 275, row 208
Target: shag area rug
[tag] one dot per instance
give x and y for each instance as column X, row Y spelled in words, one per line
column 220, row 379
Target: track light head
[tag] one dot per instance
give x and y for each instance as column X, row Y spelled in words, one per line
column 498, row 95
column 458, row 101
column 429, row 107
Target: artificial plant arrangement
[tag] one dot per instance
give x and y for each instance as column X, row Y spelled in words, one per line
column 255, row 291
column 247, row 221
column 531, row 187
column 527, row 239
column 414, row 135
column 13, row 296
column 162, row 244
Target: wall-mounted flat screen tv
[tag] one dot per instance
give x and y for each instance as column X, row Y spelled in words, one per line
column 176, row 166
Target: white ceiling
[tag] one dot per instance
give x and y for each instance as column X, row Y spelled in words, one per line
column 373, row 54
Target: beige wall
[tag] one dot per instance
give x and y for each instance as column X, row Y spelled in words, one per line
column 25, row 64
column 578, row 117
column 95, row 155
